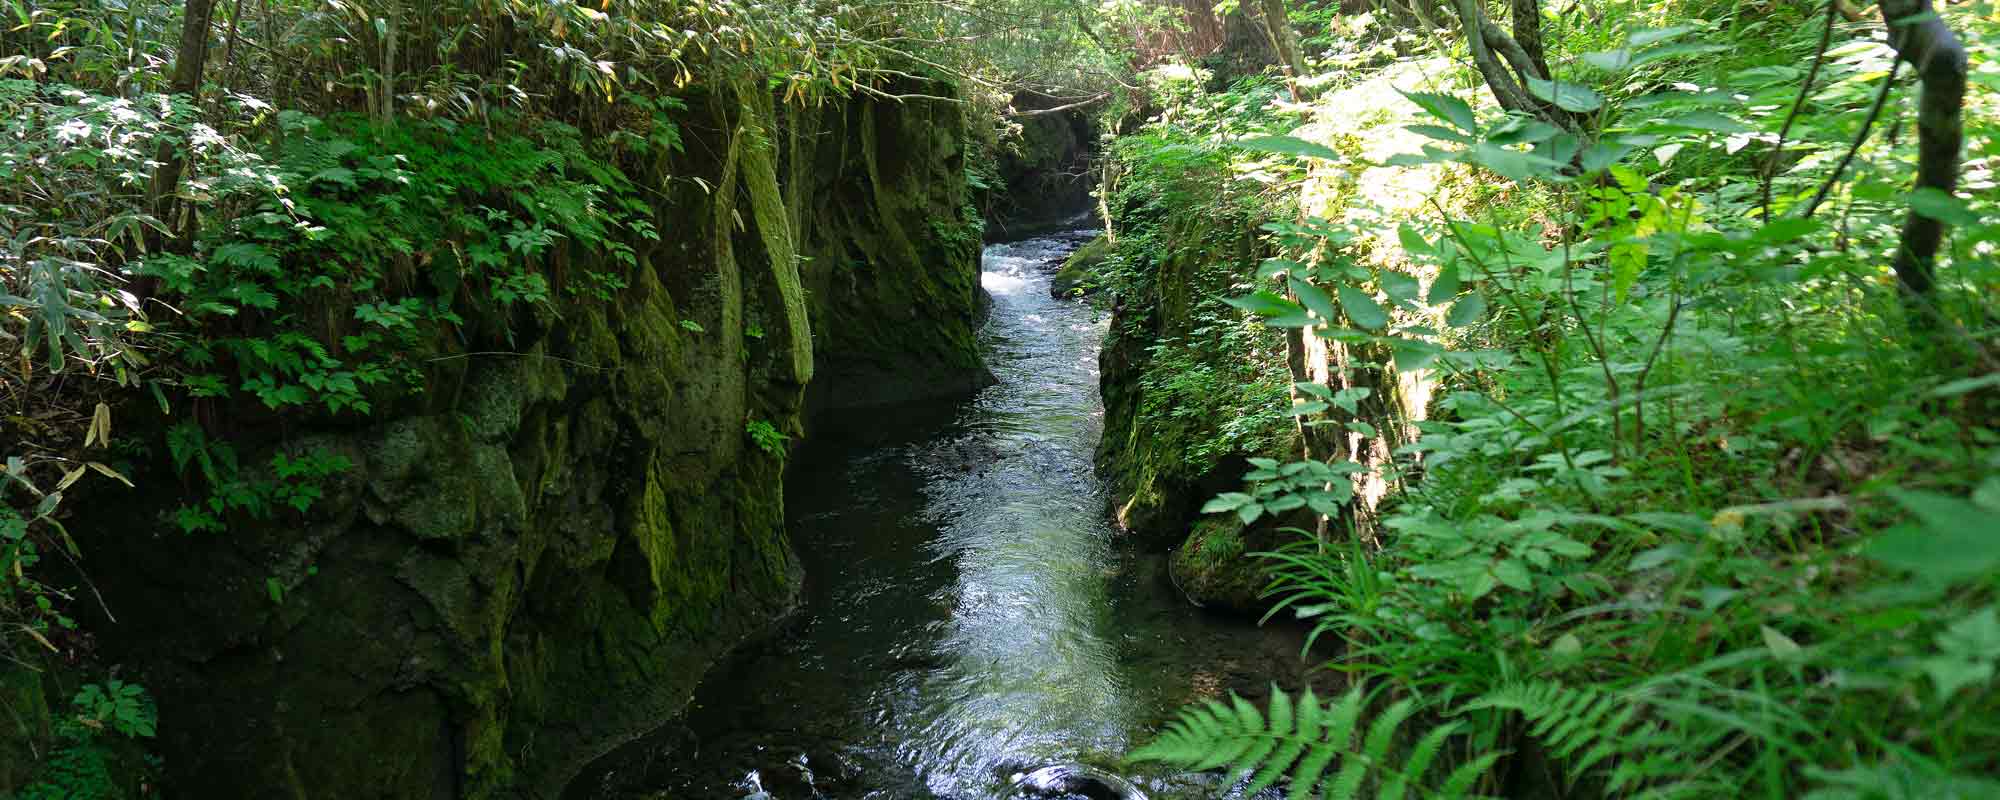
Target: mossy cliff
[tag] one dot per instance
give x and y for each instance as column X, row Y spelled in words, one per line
column 537, row 557
column 1189, row 395
column 891, row 241
column 1193, row 388
column 1045, row 167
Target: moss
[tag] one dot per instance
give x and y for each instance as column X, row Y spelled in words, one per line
column 775, row 227
column 541, row 559
column 25, row 731
column 1079, row 272
column 1214, row 566
column 894, row 287
column 1180, row 417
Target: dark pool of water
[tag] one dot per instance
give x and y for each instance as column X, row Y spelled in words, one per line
column 969, row 614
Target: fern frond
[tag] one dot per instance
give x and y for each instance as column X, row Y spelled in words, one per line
column 1584, row 728
column 1319, row 748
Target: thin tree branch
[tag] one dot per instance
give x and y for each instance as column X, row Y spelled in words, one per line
column 1860, row 137
column 1805, row 90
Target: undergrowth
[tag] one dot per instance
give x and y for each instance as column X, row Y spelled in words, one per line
column 1702, row 500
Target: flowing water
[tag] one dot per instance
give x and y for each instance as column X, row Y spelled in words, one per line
column 969, row 613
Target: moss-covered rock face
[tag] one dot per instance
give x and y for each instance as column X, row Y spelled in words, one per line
column 538, row 559
column 1045, row 172
column 25, row 728
column 1185, row 406
column 1215, row 565
column 1078, row 272
column 892, row 245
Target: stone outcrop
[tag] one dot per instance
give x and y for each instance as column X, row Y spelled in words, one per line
column 537, row 557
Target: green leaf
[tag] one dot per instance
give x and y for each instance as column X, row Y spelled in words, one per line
column 1229, row 501
column 1938, row 205
column 1318, row 390
column 1677, row 50
column 1953, row 541
column 1604, row 154
column 1439, row 132
column 1314, row 298
column 1349, row 400
column 1514, row 573
column 1413, row 354
column 1786, row 230
column 1400, row 287
column 1445, row 287
column 1575, row 98
column 1977, row 636
column 1610, row 60
column 1362, row 309
column 1273, row 266
column 1521, row 130
column 1708, row 121
column 1413, row 241
column 1646, row 36
column 1467, row 310
column 1447, row 108
column 1964, row 386
column 1265, row 303
column 1950, row 674
column 1288, row 145
column 1780, row 645
column 1512, row 164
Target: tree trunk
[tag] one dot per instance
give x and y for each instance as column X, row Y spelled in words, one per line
column 1930, row 46
column 189, row 62
column 1527, row 19
column 1285, row 42
column 229, row 48
column 1507, row 63
column 1511, row 93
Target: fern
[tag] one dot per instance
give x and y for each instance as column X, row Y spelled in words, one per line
column 1585, row 728
column 1303, row 740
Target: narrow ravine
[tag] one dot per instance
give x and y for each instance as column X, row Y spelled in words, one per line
column 970, row 613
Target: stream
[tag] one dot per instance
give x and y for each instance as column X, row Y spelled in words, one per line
column 970, row 613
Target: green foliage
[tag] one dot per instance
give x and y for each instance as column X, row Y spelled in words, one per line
column 1277, row 488
column 1699, row 504
column 766, row 437
column 118, row 706
column 481, row 215
column 1584, row 729
column 89, row 762
column 31, row 505
column 291, row 481
column 1321, row 750
column 1209, row 377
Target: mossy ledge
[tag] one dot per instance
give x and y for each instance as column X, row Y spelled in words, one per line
column 537, row 558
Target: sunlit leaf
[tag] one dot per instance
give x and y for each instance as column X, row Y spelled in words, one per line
column 1445, row 107
column 1567, row 96
column 1288, row 145
column 1362, row 309
column 1938, row 205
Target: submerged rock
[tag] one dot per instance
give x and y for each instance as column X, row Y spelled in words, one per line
column 1073, row 782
